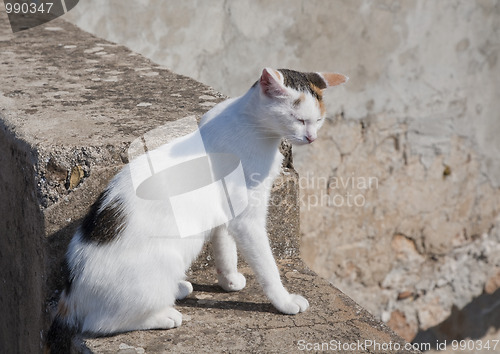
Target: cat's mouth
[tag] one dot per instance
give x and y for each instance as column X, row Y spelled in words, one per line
column 300, row 141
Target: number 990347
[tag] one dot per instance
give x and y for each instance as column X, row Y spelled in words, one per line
column 28, row 8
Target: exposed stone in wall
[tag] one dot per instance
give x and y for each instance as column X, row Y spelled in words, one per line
column 407, row 241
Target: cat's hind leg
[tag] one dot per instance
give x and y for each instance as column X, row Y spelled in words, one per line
column 165, row 319
column 226, row 261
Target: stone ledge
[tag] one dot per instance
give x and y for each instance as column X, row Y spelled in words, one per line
column 215, row 321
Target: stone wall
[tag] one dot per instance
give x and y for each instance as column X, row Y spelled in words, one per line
column 418, row 120
column 21, row 252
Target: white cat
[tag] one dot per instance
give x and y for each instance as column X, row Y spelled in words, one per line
column 122, row 277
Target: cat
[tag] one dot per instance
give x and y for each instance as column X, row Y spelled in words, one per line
column 120, row 277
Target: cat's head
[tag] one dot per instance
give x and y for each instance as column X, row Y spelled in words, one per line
column 294, row 102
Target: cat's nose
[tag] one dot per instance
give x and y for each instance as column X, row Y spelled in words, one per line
column 310, row 138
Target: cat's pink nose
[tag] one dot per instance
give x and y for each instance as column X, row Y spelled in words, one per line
column 310, row 139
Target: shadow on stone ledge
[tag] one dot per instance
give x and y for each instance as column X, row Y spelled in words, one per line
column 474, row 321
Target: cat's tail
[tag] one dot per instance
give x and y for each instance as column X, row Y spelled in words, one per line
column 61, row 332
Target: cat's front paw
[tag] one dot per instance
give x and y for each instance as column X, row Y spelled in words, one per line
column 292, row 305
column 232, row 282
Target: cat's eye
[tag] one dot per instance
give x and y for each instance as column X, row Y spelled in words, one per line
column 300, row 120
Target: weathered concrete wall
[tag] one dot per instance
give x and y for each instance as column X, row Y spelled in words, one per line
column 419, row 117
column 21, row 247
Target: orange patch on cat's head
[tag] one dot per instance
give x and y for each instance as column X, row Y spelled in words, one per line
column 318, row 93
column 322, row 108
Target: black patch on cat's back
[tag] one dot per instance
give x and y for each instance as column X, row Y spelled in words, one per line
column 308, row 82
column 103, row 225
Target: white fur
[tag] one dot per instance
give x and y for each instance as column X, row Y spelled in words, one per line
column 133, row 281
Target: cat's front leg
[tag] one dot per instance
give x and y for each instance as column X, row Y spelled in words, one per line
column 226, row 261
column 253, row 243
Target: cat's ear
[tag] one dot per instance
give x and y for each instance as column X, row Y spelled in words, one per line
column 333, row 79
column 271, row 83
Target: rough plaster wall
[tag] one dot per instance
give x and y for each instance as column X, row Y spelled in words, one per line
column 419, row 117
